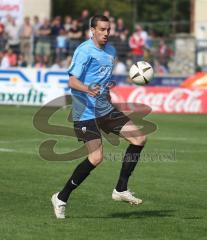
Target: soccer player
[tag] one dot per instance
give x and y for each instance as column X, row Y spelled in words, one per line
column 89, row 77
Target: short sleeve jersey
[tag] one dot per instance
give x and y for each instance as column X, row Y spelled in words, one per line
column 92, row 65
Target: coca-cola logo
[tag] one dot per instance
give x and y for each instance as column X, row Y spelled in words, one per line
column 170, row 100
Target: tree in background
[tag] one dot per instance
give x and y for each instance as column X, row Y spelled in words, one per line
column 74, row 8
column 165, row 17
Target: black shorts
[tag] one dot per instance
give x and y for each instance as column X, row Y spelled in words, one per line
column 110, row 123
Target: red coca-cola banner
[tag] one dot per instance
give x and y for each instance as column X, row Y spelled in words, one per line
column 162, row 99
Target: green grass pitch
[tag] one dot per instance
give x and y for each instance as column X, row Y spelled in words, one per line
column 171, row 179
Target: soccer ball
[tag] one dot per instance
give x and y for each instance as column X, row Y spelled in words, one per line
column 141, row 73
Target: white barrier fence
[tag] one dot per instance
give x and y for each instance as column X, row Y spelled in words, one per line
column 29, row 94
column 37, row 87
column 34, row 87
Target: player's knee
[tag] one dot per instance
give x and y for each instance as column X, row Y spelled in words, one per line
column 141, row 140
column 96, row 159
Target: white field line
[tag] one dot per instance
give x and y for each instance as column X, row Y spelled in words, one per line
column 7, row 150
column 191, row 139
column 12, row 150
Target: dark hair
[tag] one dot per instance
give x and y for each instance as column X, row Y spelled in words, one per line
column 96, row 18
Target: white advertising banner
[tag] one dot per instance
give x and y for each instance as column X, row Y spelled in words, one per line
column 11, row 7
column 30, row 94
column 30, row 86
column 34, row 75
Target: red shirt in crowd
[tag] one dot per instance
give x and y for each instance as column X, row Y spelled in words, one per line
column 136, row 43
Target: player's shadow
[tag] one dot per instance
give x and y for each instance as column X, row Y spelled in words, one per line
column 143, row 214
column 134, row 214
column 192, row 218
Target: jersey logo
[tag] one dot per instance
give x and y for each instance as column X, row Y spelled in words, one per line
column 105, row 71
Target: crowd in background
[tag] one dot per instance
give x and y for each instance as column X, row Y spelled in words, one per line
column 50, row 43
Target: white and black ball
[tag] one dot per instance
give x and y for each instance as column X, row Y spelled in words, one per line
column 141, row 73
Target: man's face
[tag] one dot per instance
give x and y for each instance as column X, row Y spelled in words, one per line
column 101, row 32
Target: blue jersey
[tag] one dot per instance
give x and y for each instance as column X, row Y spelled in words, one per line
column 92, row 65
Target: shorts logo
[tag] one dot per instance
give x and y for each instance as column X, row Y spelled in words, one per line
column 83, row 129
column 74, row 183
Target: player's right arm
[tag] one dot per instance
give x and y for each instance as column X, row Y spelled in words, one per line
column 78, row 69
column 78, row 85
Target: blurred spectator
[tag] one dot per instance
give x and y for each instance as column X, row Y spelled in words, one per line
column 136, row 44
column 26, row 33
column 121, row 30
column 1, row 29
column 57, row 65
column 113, row 34
column 120, row 72
column 12, row 57
column 56, row 26
column 120, row 68
column 44, row 41
column 66, row 62
column 75, row 31
column 52, row 43
column 142, row 32
column 129, row 63
column 2, row 37
column 7, row 20
column 68, row 23
column 149, row 56
column 4, row 60
column 87, row 34
column 36, row 26
column 61, row 45
column 75, row 35
column 84, row 20
column 21, row 62
column 159, row 69
column 151, row 36
column 120, row 33
column 107, row 14
column 39, row 62
column 13, row 35
column 122, row 49
column 163, row 55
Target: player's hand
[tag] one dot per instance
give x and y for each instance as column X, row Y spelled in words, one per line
column 94, row 91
